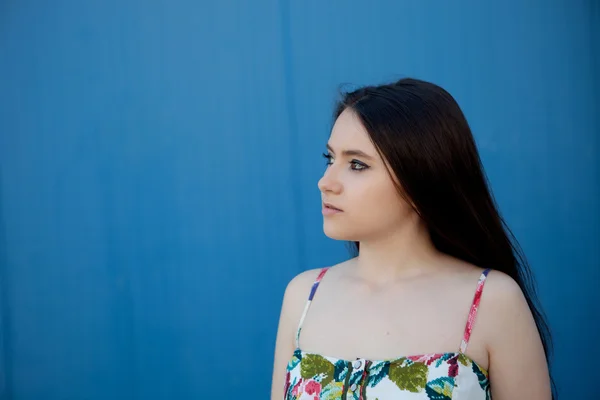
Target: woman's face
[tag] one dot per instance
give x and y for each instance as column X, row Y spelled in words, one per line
column 357, row 183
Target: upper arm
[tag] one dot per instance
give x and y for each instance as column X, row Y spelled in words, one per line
column 518, row 367
column 294, row 299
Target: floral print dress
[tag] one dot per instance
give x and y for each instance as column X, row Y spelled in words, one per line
column 441, row 376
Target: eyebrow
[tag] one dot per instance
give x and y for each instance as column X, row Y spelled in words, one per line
column 350, row 153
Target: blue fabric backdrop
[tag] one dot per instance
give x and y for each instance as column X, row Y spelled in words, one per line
column 159, row 164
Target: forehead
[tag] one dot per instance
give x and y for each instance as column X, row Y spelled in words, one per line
column 349, row 133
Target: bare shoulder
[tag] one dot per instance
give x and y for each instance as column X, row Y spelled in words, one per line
column 297, row 292
column 511, row 333
column 301, row 283
column 503, row 307
column 294, row 299
column 500, row 289
column 503, row 294
column 501, row 300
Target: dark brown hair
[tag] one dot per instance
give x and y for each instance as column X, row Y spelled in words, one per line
column 420, row 130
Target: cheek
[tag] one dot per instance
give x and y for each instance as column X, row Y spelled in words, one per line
column 370, row 206
column 380, row 205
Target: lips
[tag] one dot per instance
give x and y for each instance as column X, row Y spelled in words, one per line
column 331, row 206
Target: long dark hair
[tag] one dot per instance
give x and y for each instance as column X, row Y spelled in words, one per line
column 420, row 130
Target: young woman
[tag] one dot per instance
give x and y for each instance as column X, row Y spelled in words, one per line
column 438, row 301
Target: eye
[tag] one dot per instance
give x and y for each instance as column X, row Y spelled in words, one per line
column 358, row 166
column 328, row 157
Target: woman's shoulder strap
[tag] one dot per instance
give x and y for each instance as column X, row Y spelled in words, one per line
column 313, row 290
column 473, row 311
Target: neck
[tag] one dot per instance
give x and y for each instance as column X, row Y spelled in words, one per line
column 407, row 252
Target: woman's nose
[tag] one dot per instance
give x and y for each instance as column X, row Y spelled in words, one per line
column 329, row 182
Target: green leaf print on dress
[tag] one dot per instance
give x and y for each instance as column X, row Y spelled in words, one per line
column 295, row 360
column 481, row 375
column 378, row 372
column 314, row 365
column 340, row 371
column 408, row 375
column 464, row 360
column 440, row 388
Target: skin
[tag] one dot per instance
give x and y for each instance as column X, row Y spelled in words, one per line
column 401, row 296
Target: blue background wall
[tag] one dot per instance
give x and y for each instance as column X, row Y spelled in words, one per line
column 159, row 162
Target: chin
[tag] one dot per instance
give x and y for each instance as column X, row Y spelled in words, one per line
column 336, row 233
